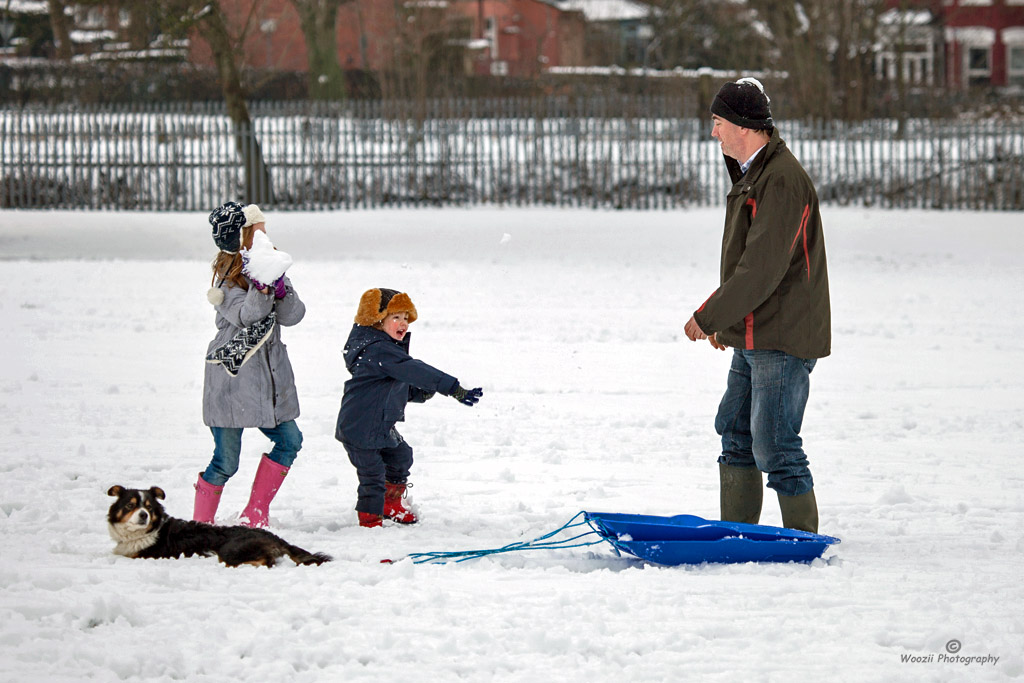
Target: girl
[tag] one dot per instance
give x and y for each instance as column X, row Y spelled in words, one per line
column 249, row 380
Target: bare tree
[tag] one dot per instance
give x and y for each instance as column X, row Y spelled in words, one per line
column 318, row 19
column 802, row 49
column 185, row 17
column 698, row 33
column 207, row 18
column 825, row 46
column 142, row 22
column 428, row 53
column 61, row 34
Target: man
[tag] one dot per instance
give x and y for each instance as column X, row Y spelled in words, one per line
column 771, row 307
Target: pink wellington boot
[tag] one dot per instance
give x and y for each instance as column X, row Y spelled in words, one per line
column 207, row 500
column 269, row 477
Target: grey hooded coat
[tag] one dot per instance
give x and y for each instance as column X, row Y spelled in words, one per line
column 263, row 392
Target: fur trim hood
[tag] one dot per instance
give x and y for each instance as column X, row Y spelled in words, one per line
column 377, row 304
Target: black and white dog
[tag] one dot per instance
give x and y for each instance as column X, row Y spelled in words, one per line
column 142, row 528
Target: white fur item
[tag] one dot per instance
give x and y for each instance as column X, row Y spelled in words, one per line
column 253, row 215
column 264, row 263
column 215, row 295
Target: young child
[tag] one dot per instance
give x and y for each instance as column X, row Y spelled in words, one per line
column 384, row 378
column 249, row 381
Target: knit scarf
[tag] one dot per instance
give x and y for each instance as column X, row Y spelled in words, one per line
column 233, row 353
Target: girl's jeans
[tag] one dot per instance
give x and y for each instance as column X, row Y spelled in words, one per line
column 760, row 416
column 227, row 445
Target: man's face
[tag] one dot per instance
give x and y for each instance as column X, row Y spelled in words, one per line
column 730, row 135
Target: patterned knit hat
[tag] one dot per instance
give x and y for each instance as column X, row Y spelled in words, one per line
column 745, row 104
column 377, row 304
column 228, row 219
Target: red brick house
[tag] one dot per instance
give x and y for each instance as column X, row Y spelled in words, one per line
column 957, row 43
column 523, row 37
column 503, row 37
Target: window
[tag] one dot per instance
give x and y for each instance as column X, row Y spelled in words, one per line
column 979, row 65
column 90, row 18
column 1015, row 65
column 884, row 66
column 491, row 35
column 918, row 68
column 1013, row 39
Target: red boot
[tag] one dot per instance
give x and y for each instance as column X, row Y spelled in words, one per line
column 393, row 508
column 368, row 519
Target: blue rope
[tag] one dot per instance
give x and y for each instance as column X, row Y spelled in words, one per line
column 539, row 543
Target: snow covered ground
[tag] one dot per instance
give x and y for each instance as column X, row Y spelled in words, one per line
column 572, row 322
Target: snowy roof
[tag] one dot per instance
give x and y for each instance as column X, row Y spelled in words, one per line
column 471, row 43
column 608, row 10
column 132, row 55
column 907, row 17
column 25, row 6
column 677, row 72
column 88, row 36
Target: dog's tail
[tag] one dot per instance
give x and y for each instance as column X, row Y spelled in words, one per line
column 300, row 556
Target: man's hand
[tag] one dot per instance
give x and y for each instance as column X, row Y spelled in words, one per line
column 715, row 343
column 693, row 331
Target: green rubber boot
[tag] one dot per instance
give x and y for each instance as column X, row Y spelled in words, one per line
column 800, row 512
column 741, row 493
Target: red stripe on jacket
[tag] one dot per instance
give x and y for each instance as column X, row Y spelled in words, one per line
column 706, row 302
column 802, row 230
column 748, row 319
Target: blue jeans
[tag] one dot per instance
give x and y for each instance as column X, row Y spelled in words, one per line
column 760, row 416
column 227, row 446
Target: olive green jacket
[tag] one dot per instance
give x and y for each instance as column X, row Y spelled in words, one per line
column 774, row 279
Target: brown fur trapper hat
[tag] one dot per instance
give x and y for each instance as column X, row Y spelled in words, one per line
column 377, row 304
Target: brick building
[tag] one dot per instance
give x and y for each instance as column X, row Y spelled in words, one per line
column 957, row 43
column 502, row 37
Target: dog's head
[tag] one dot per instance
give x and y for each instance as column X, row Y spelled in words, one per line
column 135, row 514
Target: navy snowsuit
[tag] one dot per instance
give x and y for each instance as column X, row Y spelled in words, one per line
column 384, row 379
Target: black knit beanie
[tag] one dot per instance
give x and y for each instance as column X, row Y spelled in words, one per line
column 745, row 104
column 227, row 221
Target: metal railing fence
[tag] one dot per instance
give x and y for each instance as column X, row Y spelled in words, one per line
column 617, row 152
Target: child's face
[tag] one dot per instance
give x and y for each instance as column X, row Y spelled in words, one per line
column 396, row 325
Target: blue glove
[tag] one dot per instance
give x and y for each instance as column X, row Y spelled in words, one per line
column 280, row 291
column 467, row 397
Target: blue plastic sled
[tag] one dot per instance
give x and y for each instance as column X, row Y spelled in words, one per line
column 687, row 539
